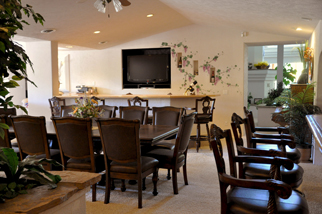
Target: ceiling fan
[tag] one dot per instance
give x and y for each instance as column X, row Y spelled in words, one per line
column 101, row 4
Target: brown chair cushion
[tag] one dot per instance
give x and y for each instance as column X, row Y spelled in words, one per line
column 200, row 118
column 243, row 200
column 146, row 164
column 293, row 154
column 293, row 177
column 85, row 164
column 164, row 156
column 165, row 144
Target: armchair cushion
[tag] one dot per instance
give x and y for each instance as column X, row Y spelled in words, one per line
column 85, row 164
column 244, row 200
column 165, row 144
column 164, row 156
column 293, row 177
column 131, row 167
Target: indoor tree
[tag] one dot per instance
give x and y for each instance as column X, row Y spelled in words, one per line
column 13, row 58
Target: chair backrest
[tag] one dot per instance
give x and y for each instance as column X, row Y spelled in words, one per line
column 31, row 135
column 98, row 100
column 134, row 113
column 7, row 112
column 74, row 137
column 109, row 111
column 55, row 104
column 118, row 146
column 249, row 115
column 4, row 142
column 65, row 110
column 166, row 115
column 137, row 101
column 183, row 136
column 236, row 122
column 205, row 106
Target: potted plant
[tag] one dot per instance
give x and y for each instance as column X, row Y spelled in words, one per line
column 289, row 74
column 262, row 65
column 273, row 94
column 23, row 175
column 295, row 108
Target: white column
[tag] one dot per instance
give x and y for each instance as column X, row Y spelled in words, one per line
column 44, row 56
column 280, row 62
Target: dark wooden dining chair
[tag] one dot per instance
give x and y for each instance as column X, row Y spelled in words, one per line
column 109, row 111
column 134, row 113
column 275, row 133
column 138, row 101
column 76, row 146
column 5, row 141
column 32, row 139
column 7, row 112
column 176, row 158
column 55, row 104
column 293, row 177
column 167, row 115
column 65, row 110
column 122, row 155
column 98, row 100
column 205, row 108
column 253, row 195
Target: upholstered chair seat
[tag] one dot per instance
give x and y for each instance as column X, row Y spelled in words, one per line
column 293, row 177
column 85, row 164
column 146, row 164
column 165, row 156
column 245, row 200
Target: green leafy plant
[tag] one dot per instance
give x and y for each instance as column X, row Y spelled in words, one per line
column 23, row 175
column 289, row 74
column 272, row 94
column 295, row 109
column 13, row 59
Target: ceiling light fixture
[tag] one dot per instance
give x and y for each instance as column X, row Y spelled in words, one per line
column 149, row 15
column 48, row 31
column 100, row 5
column 103, row 42
column 96, row 32
column 298, row 29
column 69, row 46
column 306, row 19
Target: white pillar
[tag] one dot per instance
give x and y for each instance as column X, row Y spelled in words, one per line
column 280, row 62
column 44, row 56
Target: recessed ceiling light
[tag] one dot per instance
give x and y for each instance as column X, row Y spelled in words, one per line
column 97, row 31
column 69, row 46
column 48, row 31
column 298, row 29
column 149, row 15
column 103, row 42
column 306, row 19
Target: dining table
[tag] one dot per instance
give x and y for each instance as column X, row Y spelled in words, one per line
column 148, row 134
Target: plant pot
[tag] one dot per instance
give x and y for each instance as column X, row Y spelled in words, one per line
column 305, row 152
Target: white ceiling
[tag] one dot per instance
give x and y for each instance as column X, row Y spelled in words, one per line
column 75, row 22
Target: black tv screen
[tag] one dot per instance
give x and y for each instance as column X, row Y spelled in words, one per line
column 150, row 67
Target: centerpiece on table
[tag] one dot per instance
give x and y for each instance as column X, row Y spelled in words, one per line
column 86, row 108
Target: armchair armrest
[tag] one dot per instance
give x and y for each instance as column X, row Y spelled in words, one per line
column 282, row 142
column 282, row 189
column 273, row 129
column 259, row 152
column 277, row 136
column 278, row 161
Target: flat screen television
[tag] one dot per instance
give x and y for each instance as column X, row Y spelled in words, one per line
column 146, row 68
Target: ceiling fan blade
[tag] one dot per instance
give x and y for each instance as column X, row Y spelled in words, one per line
column 125, row 2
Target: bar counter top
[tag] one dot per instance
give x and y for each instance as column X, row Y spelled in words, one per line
column 122, row 96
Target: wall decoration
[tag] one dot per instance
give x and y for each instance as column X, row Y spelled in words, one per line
column 220, row 76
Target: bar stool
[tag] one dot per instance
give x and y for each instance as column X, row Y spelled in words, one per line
column 204, row 117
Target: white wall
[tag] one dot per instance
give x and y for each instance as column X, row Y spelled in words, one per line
column 104, row 67
column 316, row 40
column 44, row 56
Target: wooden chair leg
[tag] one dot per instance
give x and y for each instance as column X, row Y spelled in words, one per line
column 112, row 185
column 94, row 192
column 108, row 189
column 143, row 184
column 123, row 188
column 208, row 136
column 155, row 180
column 168, row 176
column 185, row 177
column 140, row 193
column 198, row 137
column 174, row 181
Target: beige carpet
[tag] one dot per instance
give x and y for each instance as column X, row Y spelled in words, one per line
column 200, row 196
